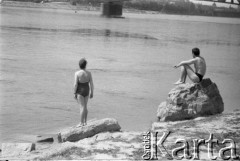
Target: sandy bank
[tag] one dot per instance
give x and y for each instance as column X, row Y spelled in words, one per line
column 129, row 145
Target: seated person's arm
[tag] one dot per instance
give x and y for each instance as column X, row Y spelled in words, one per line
column 187, row 62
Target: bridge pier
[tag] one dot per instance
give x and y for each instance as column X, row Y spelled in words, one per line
column 112, row 8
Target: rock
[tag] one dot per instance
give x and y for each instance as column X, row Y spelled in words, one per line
column 93, row 128
column 45, row 140
column 222, row 126
column 102, row 146
column 188, row 101
column 16, row 149
column 130, row 145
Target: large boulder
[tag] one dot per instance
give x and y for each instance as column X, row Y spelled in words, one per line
column 16, row 149
column 93, row 128
column 188, row 101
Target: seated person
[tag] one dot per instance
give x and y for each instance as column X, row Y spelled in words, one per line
column 199, row 65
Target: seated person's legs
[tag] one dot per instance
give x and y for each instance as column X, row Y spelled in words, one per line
column 183, row 76
column 187, row 70
column 191, row 74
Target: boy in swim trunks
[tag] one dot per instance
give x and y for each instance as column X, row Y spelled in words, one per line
column 199, row 65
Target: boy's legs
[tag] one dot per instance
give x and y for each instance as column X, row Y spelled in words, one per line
column 182, row 76
column 187, row 70
column 191, row 74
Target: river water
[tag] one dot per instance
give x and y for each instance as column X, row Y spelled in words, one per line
column 131, row 61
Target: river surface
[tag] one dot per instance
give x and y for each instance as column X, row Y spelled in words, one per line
column 131, row 61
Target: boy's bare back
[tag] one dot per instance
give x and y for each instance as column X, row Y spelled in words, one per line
column 200, row 65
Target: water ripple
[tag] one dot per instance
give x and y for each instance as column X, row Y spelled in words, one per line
column 86, row 31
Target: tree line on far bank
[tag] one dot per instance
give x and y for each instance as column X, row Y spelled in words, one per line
column 184, row 7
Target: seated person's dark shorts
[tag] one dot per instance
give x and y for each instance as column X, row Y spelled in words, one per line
column 200, row 76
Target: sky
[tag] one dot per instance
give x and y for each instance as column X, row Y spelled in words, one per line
column 218, row 4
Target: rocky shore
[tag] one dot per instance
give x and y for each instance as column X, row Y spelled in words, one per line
column 129, row 145
column 103, row 139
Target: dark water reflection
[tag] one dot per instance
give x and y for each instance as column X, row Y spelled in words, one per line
column 85, row 32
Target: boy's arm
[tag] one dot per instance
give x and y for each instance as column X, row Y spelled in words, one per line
column 187, row 62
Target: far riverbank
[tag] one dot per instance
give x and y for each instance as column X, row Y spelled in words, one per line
column 131, row 7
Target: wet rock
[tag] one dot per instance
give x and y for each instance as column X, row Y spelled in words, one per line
column 188, row 101
column 221, row 126
column 93, row 128
column 45, row 140
column 17, row 149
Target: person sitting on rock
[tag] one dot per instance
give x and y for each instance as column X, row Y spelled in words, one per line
column 199, row 65
column 83, row 87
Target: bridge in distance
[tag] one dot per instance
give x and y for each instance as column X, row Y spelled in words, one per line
column 236, row 2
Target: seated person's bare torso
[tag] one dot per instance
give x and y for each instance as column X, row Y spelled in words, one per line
column 200, row 65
